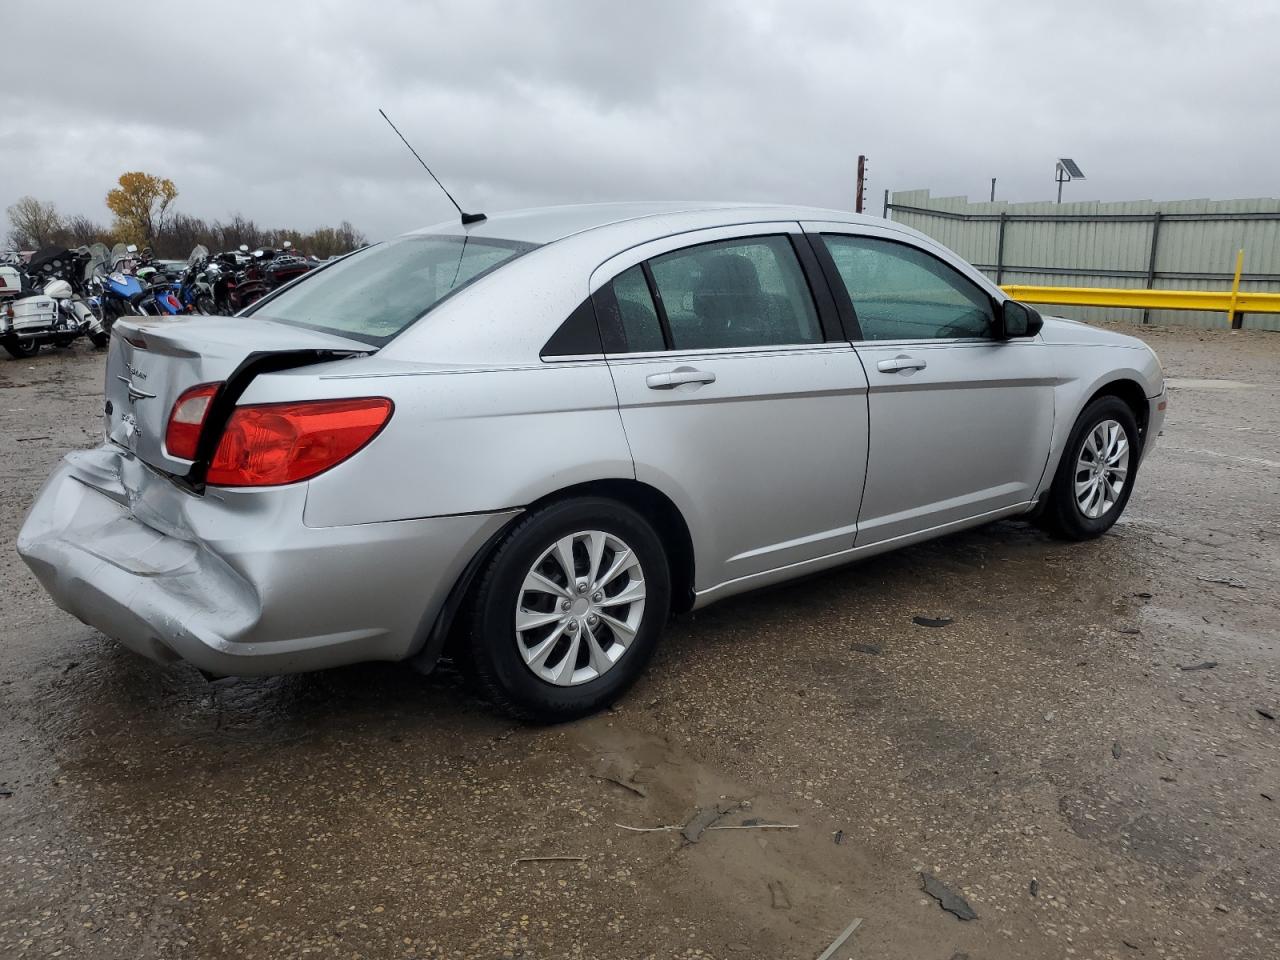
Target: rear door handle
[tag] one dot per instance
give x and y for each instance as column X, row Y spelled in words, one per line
column 678, row 376
column 899, row 364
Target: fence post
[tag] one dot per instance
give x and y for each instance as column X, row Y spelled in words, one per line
column 1151, row 260
column 1004, row 218
column 1234, row 319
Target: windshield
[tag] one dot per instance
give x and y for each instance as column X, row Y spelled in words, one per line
column 377, row 292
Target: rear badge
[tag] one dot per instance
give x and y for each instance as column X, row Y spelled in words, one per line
column 135, row 394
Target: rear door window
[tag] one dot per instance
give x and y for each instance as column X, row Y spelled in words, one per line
column 748, row 292
column 377, row 292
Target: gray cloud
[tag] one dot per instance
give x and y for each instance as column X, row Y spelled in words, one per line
column 271, row 109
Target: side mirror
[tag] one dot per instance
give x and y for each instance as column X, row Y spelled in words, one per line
column 1019, row 320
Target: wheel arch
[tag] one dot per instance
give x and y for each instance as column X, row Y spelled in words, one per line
column 1134, row 397
column 650, row 502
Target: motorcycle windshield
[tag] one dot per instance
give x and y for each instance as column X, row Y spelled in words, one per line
column 122, row 258
column 200, row 252
column 99, row 255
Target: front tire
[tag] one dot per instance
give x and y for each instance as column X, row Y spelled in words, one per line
column 567, row 612
column 1096, row 473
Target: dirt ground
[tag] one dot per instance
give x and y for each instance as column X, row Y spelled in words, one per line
column 1048, row 755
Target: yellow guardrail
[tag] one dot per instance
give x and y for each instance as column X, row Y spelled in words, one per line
column 1232, row 302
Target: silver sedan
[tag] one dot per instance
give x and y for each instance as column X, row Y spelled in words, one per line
column 524, row 442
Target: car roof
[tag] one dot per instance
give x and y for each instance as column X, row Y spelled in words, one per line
column 548, row 224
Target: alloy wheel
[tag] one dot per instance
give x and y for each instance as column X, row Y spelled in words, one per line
column 580, row 607
column 1102, row 469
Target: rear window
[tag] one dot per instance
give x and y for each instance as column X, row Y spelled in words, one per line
column 377, row 292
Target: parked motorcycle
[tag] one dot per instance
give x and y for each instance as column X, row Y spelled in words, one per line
column 113, row 287
column 190, row 293
column 43, row 301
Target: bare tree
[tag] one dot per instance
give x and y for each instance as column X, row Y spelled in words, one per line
column 80, row 231
column 33, row 224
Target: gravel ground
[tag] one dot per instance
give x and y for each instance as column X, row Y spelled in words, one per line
column 1047, row 756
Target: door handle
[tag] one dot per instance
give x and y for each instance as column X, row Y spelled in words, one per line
column 678, row 376
column 900, row 364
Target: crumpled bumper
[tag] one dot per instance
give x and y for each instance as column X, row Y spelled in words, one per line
column 234, row 581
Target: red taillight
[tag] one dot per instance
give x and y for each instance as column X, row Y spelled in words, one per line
column 187, row 418
column 274, row 443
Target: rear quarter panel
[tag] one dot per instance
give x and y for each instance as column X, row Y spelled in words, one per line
column 462, row 439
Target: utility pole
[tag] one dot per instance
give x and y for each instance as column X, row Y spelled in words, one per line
column 862, row 179
column 993, row 189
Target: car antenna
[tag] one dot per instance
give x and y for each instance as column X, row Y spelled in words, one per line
column 467, row 218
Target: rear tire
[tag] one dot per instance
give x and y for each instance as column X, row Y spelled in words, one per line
column 548, row 647
column 1096, row 473
column 21, row 349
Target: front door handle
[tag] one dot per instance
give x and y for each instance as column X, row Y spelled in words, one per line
column 678, row 376
column 900, row 364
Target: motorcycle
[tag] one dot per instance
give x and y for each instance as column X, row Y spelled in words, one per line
column 286, row 266
column 189, row 293
column 43, row 302
column 234, row 279
column 114, row 287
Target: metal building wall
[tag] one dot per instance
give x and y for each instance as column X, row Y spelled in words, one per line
column 1109, row 245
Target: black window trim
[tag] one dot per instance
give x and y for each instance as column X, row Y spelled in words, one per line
column 659, row 306
column 844, row 302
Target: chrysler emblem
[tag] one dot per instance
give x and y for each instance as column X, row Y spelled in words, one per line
column 134, row 393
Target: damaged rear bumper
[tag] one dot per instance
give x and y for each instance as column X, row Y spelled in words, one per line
column 234, row 581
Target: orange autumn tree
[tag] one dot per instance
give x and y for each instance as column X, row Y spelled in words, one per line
column 140, row 204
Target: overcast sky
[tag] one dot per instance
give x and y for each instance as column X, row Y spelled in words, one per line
column 270, row 109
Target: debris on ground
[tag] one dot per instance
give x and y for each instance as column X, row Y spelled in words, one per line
column 1206, row 665
column 1034, row 887
column 1264, row 713
column 1129, row 631
column 5, row 792
column 1115, row 749
column 1143, row 595
column 871, row 648
column 700, row 821
column 932, row 621
column 754, row 823
column 778, row 896
column 520, row 860
column 838, row 942
column 1225, row 581
column 611, row 771
column 70, row 666
column 947, row 898
column 838, row 836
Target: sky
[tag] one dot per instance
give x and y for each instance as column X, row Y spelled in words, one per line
column 271, row 109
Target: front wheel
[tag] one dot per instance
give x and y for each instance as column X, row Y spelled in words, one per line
column 567, row 611
column 1096, row 473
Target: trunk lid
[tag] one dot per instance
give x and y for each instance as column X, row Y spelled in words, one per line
column 152, row 361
